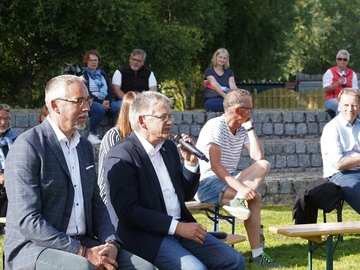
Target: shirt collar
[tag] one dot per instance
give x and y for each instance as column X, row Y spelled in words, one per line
column 75, row 139
column 150, row 150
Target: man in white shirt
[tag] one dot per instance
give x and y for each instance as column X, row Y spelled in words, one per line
column 134, row 76
column 340, row 147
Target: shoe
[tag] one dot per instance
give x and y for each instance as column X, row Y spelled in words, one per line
column 264, row 260
column 94, row 139
column 237, row 208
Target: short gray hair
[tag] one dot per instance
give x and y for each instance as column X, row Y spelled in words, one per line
column 344, row 52
column 58, row 87
column 139, row 51
column 235, row 98
column 144, row 103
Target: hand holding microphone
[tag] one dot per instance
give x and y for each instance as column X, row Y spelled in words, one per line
column 189, row 147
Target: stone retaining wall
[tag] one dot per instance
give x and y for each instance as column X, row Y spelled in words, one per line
column 291, row 140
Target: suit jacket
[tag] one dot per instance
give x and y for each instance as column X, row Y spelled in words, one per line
column 137, row 197
column 41, row 195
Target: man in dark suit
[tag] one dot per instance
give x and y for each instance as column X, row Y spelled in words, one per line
column 56, row 218
column 149, row 187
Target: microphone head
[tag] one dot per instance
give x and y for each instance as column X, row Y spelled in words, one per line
column 176, row 137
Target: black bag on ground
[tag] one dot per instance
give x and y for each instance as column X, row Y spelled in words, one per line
column 318, row 194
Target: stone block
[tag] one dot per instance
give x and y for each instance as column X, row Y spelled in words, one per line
column 301, row 129
column 299, row 117
column 267, row 128
column 292, row 161
column 285, row 187
column 272, row 186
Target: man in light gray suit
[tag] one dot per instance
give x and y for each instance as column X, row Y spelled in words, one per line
column 56, row 218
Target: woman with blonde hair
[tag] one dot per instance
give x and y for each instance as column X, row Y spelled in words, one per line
column 218, row 81
column 121, row 129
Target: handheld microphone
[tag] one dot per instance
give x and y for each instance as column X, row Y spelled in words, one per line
column 192, row 149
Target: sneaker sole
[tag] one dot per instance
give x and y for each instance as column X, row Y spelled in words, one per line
column 240, row 214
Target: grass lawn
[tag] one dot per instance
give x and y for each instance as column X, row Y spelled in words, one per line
column 290, row 252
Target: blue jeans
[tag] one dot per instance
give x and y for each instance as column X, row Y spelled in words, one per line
column 51, row 259
column 97, row 113
column 350, row 184
column 332, row 104
column 179, row 253
column 214, row 104
column 115, row 107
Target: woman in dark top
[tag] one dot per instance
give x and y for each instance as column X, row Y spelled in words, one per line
column 218, row 81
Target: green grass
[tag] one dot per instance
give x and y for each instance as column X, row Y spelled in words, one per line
column 290, row 252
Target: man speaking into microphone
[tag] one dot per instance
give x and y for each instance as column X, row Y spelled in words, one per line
column 148, row 189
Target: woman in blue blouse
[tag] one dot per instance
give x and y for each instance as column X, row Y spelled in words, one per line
column 218, row 81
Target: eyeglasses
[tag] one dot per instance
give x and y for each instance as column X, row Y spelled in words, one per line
column 247, row 108
column 79, row 101
column 5, row 107
column 342, row 59
column 164, row 117
column 5, row 119
column 136, row 60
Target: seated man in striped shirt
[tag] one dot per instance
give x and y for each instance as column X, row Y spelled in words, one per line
column 222, row 140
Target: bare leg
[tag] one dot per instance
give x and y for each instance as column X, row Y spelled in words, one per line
column 253, row 177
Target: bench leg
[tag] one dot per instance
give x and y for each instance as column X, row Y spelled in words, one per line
column 329, row 244
column 329, row 253
column 310, row 251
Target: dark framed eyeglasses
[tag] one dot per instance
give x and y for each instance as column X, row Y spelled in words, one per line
column 80, row 102
column 342, row 59
column 5, row 119
column 163, row 117
column 247, row 108
column 5, row 107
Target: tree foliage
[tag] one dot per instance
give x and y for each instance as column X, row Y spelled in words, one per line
column 267, row 40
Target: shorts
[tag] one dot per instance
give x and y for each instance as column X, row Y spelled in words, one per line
column 211, row 189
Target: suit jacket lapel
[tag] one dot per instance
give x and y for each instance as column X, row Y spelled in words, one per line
column 147, row 163
column 54, row 144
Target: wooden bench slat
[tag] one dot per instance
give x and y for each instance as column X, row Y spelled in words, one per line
column 317, row 229
column 194, row 205
column 232, row 239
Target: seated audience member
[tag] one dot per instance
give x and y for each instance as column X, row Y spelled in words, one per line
column 56, row 218
column 7, row 138
column 218, row 81
column 148, row 189
column 44, row 112
column 340, row 141
column 222, row 140
column 115, row 134
column 100, row 90
column 134, row 76
column 336, row 78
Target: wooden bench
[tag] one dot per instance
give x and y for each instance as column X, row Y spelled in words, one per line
column 314, row 232
column 231, row 239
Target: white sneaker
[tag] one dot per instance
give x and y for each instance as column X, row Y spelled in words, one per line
column 94, row 139
column 237, row 208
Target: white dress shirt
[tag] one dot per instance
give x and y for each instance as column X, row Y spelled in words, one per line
column 77, row 224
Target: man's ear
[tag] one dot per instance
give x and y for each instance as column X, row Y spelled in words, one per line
column 142, row 121
column 54, row 106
